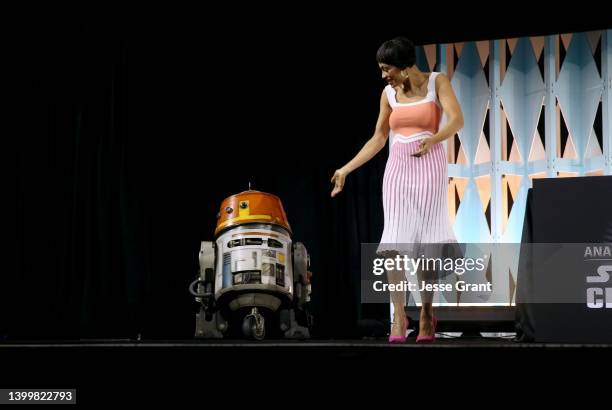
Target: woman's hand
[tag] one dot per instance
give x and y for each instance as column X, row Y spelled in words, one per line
column 338, row 179
column 424, row 146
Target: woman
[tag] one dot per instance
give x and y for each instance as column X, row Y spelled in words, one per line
column 415, row 180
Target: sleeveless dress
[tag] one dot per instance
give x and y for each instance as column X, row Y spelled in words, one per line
column 415, row 188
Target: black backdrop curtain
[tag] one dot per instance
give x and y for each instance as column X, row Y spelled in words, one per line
column 121, row 144
column 122, row 147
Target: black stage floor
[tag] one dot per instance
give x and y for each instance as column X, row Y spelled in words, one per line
column 366, row 345
column 186, row 370
column 210, row 344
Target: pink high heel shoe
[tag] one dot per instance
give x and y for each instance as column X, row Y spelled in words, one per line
column 400, row 339
column 429, row 339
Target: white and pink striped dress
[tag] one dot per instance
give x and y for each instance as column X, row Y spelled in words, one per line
column 415, row 188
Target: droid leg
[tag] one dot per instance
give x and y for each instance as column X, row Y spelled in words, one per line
column 290, row 326
column 209, row 326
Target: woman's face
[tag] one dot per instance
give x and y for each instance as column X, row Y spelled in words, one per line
column 391, row 74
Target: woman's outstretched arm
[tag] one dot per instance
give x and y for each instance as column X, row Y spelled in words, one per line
column 371, row 148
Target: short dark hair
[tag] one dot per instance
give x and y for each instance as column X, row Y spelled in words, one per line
column 398, row 52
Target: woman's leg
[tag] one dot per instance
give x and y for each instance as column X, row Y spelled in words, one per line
column 398, row 299
column 426, row 317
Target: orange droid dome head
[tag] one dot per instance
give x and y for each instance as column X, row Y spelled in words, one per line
column 249, row 207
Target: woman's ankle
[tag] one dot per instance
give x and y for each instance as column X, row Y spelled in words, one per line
column 427, row 315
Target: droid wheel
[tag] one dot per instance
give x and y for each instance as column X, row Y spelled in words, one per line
column 253, row 328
